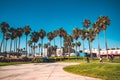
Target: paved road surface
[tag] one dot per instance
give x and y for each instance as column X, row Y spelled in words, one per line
column 39, row 71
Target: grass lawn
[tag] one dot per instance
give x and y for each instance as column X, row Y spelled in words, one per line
column 12, row 63
column 105, row 71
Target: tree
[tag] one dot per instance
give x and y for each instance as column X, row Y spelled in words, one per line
column 68, row 43
column 103, row 22
column 4, row 26
column 86, row 23
column 96, row 28
column 50, row 36
column 13, row 35
column 46, row 46
column 39, row 45
column 54, row 35
column 34, row 37
column 83, row 32
column 61, row 33
column 29, row 44
column 7, row 37
column 90, row 37
column 75, row 35
column 19, row 34
column 27, row 30
column 42, row 34
column 78, row 44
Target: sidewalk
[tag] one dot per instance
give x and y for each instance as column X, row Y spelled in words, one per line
column 39, row 71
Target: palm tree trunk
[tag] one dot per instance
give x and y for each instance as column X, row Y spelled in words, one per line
column 34, row 49
column 42, row 47
column 60, row 49
column 54, row 41
column 1, row 43
column 98, row 46
column 19, row 44
column 6, row 45
column 91, row 50
column 106, row 44
column 26, row 45
column 16, row 44
column 76, row 50
column 39, row 50
column 10, row 45
column 83, row 45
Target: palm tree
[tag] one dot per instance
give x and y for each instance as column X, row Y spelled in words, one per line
column 79, row 44
column 4, row 28
column 42, row 34
column 103, row 22
column 29, row 44
column 83, row 37
column 7, row 37
column 27, row 30
column 75, row 35
column 46, row 46
column 90, row 37
column 34, row 38
column 61, row 32
column 96, row 28
column 39, row 45
column 55, row 48
column 50, row 36
column 86, row 23
column 68, row 42
column 73, row 45
column 19, row 34
column 54, row 35
column 13, row 35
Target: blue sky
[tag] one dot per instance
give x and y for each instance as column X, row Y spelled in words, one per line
column 51, row 14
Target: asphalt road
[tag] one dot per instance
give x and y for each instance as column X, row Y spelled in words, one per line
column 39, row 71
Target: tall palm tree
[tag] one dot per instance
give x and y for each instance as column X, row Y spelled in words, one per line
column 34, row 38
column 19, row 34
column 73, row 45
column 29, row 44
column 27, row 30
column 61, row 33
column 4, row 26
column 42, row 34
column 13, row 35
column 46, row 46
column 39, row 45
column 50, row 36
column 7, row 37
column 83, row 38
column 68, row 43
column 79, row 44
column 90, row 37
column 54, row 35
column 75, row 35
column 103, row 22
column 86, row 23
column 96, row 28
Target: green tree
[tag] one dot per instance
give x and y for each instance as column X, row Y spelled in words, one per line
column 42, row 34
column 103, row 22
column 27, row 30
column 4, row 26
column 34, row 37
column 75, row 35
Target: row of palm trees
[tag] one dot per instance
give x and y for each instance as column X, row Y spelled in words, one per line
column 87, row 32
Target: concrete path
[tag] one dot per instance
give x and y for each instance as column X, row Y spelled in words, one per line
column 39, row 71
